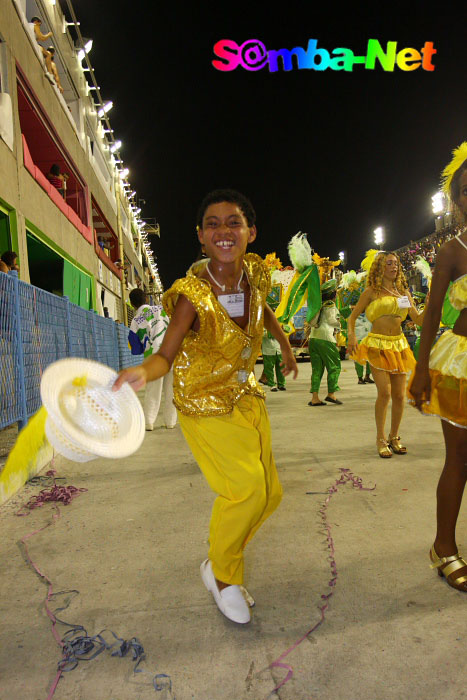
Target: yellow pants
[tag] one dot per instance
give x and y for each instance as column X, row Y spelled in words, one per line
column 234, row 453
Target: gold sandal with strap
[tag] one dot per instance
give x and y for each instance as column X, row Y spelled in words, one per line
column 396, row 446
column 383, row 448
column 447, row 566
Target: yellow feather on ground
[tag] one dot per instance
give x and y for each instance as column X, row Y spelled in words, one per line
column 28, row 456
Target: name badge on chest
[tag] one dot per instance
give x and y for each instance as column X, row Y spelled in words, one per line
column 403, row 302
column 234, row 304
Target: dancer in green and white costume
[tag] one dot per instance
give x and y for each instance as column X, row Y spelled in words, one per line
column 324, row 353
column 272, row 360
column 351, row 286
column 362, row 328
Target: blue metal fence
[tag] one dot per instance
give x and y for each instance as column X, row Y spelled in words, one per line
column 37, row 328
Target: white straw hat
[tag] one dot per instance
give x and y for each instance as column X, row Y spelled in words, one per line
column 85, row 418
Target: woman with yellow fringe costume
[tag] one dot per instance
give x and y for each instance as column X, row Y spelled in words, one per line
column 439, row 386
column 386, row 302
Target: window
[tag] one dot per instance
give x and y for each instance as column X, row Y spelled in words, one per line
column 4, row 85
column 106, row 240
column 5, row 236
column 43, row 149
column 6, row 107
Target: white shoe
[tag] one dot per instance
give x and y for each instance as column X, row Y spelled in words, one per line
column 171, row 427
column 230, row 600
column 149, row 427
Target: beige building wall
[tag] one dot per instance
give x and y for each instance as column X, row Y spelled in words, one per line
column 18, row 188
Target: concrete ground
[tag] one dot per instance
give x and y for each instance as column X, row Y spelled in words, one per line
column 132, row 544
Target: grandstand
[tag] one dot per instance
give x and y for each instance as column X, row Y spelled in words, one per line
column 427, row 247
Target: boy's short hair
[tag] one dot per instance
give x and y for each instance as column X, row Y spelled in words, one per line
column 227, row 195
column 137, row 298
column 36, row 19
column 9, row 257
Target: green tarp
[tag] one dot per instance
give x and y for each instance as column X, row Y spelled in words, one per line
column 76, row 285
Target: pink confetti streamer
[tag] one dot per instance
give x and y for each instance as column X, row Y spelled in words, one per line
column 64, row 495
column 56, row 494
column 357, row 483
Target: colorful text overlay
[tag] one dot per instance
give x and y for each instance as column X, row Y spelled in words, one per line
column 252, row 55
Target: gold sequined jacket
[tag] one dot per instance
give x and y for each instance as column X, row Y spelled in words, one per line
column 214, row 366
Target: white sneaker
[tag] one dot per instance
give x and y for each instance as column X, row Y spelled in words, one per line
column 230, row 600
column 149, row 427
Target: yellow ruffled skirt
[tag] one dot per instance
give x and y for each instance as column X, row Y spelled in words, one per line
column 390, row 353
column 448, row 373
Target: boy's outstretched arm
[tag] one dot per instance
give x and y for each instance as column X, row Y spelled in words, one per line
column 160, row 363
column 271, row 324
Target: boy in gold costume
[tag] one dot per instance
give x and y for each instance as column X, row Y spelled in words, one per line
column 218, row 312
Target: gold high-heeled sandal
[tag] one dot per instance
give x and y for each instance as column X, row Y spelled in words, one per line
column 383, row 448
column 396, row 446
column 447, row 567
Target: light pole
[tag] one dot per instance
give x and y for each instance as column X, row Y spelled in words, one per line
column 379, row 236
column 343, row 259
column 438, row 203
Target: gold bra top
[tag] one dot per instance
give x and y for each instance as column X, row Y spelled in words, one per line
column 214, row 366
column 458, row 293
column 384, row 306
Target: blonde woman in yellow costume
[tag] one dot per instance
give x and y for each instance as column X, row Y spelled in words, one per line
column 214, row 337
column 386, row 302
column 439, row 387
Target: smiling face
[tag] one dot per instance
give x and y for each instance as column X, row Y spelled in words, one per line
column 225, row 233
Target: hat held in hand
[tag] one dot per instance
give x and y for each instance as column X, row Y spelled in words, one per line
column 85, row 418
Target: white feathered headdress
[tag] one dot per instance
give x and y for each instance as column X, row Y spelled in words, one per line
column 423, row 267
column 300, row 252
column 352, row 279
column 347, row 279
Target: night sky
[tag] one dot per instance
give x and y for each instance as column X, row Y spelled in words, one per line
column 334, row 154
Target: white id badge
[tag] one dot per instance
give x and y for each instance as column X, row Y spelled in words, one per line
column 234, row 304
column 403, row 302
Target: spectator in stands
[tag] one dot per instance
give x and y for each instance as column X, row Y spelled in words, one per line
column 4, row 267
column 42, row 37
column 54, row 71
column 426, row 247
column 57, row 179
column 147, row 331
column 10, row 259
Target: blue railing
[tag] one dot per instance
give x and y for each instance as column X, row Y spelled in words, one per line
column 37, row 328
